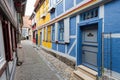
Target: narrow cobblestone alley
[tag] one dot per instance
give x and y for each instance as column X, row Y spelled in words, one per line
column 59, row 40
column 33, row 67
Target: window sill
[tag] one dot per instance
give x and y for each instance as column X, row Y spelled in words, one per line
column 53, row 41
column 3, row 66
column 43, row 40
column 47, row 41
column 2, row 61
column 61, row 42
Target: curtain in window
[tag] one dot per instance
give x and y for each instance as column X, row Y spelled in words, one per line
column 61, row 30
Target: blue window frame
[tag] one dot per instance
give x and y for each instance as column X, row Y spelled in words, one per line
column 89, row 14
column 61, row 30
column 53, row 32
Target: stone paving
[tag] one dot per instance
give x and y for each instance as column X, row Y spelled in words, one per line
column 33, row 67
column 62, row 69
column 40, row 65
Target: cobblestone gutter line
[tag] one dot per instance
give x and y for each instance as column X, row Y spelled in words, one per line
column 60, row 67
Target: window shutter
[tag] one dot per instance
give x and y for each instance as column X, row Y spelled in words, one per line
column 56, row 32
column 46, row 34
column 7, row 40
column 51, row 33
column 42, row 34
column 66, row 30
column 10, row 41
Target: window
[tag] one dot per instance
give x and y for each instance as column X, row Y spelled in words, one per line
column 7, row 40
column 58, row 0
column 44, row 34
column 12, row 38
column 61, row 30
column 49, row 33
column 53, row 32
column 89, row 14
column 52, row 2
column 2, row 57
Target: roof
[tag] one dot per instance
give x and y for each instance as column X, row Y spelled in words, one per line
column 20, row 6
column 37, row 4
column 32, row 16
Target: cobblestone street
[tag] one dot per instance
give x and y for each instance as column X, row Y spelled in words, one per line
column 59, row 40
column 33, row 67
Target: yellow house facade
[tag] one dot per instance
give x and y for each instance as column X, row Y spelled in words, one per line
column 42, row 17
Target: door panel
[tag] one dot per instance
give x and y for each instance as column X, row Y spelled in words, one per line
column 90, row 45
column 90, row 58
column 90, row 35
column 90, row 48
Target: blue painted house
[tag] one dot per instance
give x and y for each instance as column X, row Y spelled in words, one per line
column 87, row 33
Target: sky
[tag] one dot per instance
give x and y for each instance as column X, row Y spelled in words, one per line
column 29, row 7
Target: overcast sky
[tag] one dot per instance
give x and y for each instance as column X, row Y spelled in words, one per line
column 29, row 7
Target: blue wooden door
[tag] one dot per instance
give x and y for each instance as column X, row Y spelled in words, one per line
column 90, row 46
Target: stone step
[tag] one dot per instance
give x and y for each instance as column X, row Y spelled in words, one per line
column 81, row 76
column 89, row 72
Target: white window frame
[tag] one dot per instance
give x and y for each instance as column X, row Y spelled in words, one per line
column 56, row 31
column 2, row 50
column 67, row 30
column 42, row 34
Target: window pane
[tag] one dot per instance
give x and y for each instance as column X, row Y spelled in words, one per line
column 61, row 30
column 1, row 42
column 58, row 0
column 60, row 36
column 44, row 33
column 89, row 14
column 53, row 32
column 49, row 34
column 53, row 35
